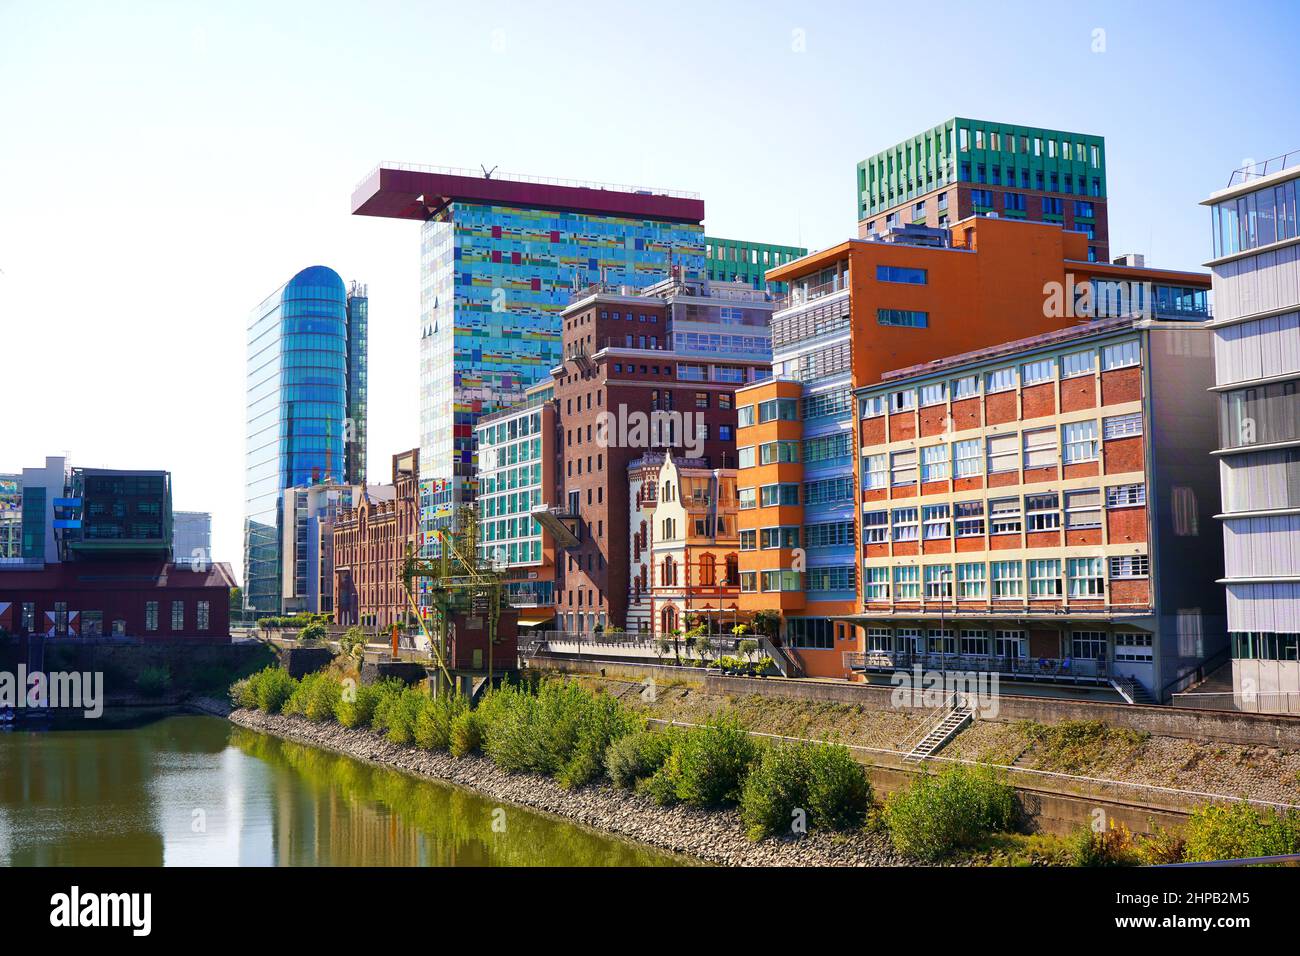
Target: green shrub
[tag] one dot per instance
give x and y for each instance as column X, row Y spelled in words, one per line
column 659, row 787
column 636, row 756
column 397, row 710
column 938, row 814
column 822, row 780
column 1161, row 847
column 1237, row 830
column 839, row 793
column 360, row 709
column 707, row 765
column 241, row 693
column 316, row 697
column 1110, row 847
column 154, row 681
column 433, row 723
column 270, row 687
column 466, row 734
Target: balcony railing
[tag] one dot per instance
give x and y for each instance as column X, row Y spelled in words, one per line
column 799, row 295
column 1269, row 166
column 1064, row 670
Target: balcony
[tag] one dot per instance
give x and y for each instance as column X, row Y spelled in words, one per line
column 803, row 294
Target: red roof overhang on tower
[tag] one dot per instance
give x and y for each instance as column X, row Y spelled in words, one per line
column 397, row 193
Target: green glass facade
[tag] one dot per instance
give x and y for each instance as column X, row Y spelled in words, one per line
column 978, row 153
column 729, row 259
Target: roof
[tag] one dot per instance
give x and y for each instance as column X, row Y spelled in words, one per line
column 117, row 576
column 403, row 191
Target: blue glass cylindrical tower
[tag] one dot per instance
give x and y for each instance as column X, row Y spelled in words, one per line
column 297, row 406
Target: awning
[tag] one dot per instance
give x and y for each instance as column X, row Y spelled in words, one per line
column 533, row 620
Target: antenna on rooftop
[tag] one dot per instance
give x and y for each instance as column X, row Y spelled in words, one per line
column 487, row 173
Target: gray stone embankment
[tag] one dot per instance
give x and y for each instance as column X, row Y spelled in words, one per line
column 709, row 836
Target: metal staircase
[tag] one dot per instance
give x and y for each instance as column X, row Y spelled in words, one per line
column 956, row 714
column 1132, row 691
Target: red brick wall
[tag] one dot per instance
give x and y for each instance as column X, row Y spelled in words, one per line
column 902, row 426
column 1123, row 454
column 934, row 419
column 1039, row 400
column 1079, row 392
column 999, row 408
column 1127, row 524
column 1121, row 385
column 966, row 414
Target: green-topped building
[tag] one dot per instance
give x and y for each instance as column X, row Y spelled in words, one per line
column 965, row 167
column 730, row 260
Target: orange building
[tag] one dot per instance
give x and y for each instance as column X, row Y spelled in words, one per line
column 856, row 311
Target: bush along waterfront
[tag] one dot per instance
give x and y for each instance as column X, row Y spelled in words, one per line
column 560, row 729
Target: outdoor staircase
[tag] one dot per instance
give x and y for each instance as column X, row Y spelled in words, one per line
column 956, row 715
column 783, row 657
column 1132, row 691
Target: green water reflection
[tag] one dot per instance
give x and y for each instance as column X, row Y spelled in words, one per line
column 197, row 791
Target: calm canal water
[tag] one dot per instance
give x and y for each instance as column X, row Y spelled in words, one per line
column 198, row 791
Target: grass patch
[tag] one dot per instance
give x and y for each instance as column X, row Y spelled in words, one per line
column 1080, row 746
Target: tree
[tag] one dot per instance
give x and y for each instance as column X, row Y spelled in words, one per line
column 315, row 631
column 236, row 599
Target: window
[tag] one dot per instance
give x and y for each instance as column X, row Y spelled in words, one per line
column 1122, row 355
column 907, row 318
column 1004, row 516
column 1040, row 448
column 1044, row 577
column 770, row 538
column 876, row 584
column 1003, row 380
column 900, row 274
column 701, row 399
column 1076, row 363
column 825, row 447
column 746, row 498
column 831, row 579
column 936, row 394
column 1126, row 496
column 903, row 468
column 873, row 406
column 941, row 641
column 934, row 463
column 151, row 615
column 827, row 404
column 1083, row 509
column 745, row 457
column 203, row 616
column 875, row 471
column 828, row 490
column 782, row 581
column 1035, row 373
column 1080, row 440
column 1083, row 577
column 905, row 524
column 875, row 527
column 724, row 433
column 778, row 409
column 1121, row 426
column 965, row 387
column 1088, row 645
column 907, row 583
column 1130, row 566
column 1042, row 512
column 935, row 519
column 178, row 615
column 970, row 582
column 1004, row 453
column 879, row 640
column 748, row 581
column 902, row 401
column 778, row 451
column 975, row 643
column 817, row 633
column 1133, row 647
column 745, row 416
column 1007, row 582
column 968, row 458
column 775, row 495
column 831, row 534
column 748, row 540
column 969, row 516
column 1009, row 643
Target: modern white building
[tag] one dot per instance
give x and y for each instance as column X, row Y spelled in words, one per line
column 1256, row 268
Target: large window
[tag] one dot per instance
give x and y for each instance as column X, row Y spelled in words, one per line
column 1080, row 441
column 936, row 522
column 1002, row 380
column 900, row 274
column 903, row 467
column 778, row 451
column 831, row 579
column 875, row 527
column 905, row 524
column 1255, row 219
column 828, row 490
column 1044, row 577
column 1008, row 583
column 1004, row 453
column 1084, row 577
column 1004, row 516
column 1040, row 448
column 1126, row 496
column 1121, row 355
column 1088, row 645
column 1260, row 415
column 1042, row 512
column 775, row 495
column 907, row 583
column 1083, row 509
column 935, row 463
column 969, row 518
column 970, row 582
column 875, row 471
column 828, row 535
column 1077, row 363
column 1130, row 566
column 782, row 581
column 876, row 584
column 1035, row 373
column 824, row 447
column 778, row 409
column 907, row 318
column 812, row 633
column 1121, row 426
column 968, row 458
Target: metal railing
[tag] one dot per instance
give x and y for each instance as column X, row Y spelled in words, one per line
column 524, row 178
column 1271, row 703
column 1266, row 168
column 800, row 295
column 1049, row 668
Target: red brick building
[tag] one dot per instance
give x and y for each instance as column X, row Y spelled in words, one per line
column 654, row 371
column 1044, row 509
column 371, row 541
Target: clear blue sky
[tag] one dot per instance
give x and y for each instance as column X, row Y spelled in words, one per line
column 166, row 165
